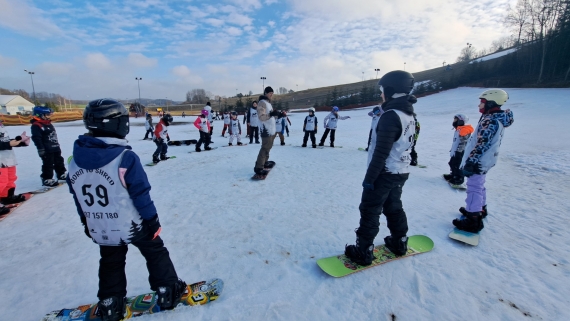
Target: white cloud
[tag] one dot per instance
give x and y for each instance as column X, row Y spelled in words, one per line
column 238, row 19
column 214, row 22
column 233, row 31
column 7, row 61
column 246, row 4
column 140, row 60
column 26, row 19
column 271, row 23
column 97, row 61
column 181, row 71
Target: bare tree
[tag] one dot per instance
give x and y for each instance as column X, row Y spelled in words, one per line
column 518, row 17
column 197, row 96
column 545, row 14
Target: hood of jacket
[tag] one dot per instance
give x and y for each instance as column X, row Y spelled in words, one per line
column 92, row 152
column 505, row 117
column 404, row 104
column 263, row 97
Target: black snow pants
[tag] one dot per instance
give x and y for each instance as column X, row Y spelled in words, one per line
column 326, row 133
column 112, row 278
column 253, row 133
column 454, row 163
column 52, row 161
column 385, row 198
column 204, row 138
column 306, row 137
column 161, row 148
column 148, row 132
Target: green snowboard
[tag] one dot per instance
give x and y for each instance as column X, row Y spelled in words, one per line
column 199, row 293
column 154, row 164
column 340, row 265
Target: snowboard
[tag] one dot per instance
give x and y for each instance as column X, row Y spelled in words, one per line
column 362, row 149
column 154, row 164
column 422, row 166
column 203, row 150
column 46, row 188
column 199, row 293
column 333, row 147
column 13, row 207
column 235, row 145
column 310, row 147
column 465, row 237
column 460, row 187
column 340, row 265
column 260, row 177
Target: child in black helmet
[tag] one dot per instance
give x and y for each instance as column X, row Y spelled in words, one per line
column 388, row 170
column 160, row 137
column 111, row 193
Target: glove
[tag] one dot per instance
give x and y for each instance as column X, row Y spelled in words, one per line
column 368, row 186
column 167, row 138
column 85, row 228
column 41, row 152
column 153, row 226
column 470, row 169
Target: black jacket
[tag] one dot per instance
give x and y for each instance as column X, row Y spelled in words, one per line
column 388, row 131
column 44, row 136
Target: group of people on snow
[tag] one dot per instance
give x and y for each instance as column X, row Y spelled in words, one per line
column 103, row 165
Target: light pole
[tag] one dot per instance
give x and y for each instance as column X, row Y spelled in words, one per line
column 236, row 92
column 138, row 79
column 377, row 70
column 263, row 85
column 297, row 87
column 363, row 76
column 31, row 73
column 444, row 63
column 404, row 66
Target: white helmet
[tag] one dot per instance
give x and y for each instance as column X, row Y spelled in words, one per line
column 312, row 110
column 498, row 96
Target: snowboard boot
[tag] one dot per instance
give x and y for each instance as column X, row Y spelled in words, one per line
column 314, row 145
column 155, row 159
column 4, row 210
column 398, row 246
column 269, row 164
column 62, row 177
column 304, row 145
column 414, row 162
column 321, row 144
column 50, row 182
column 283, row 143
column 366, row 149
column 472, row 222
column 163, row 157
column 464, row 212
column 168, row 297
column 198, row 149
column 11, row 198
column 230, row 144
column 240, row 143
column 257, row 142
column 456, row 181
column 361, row 253
column 447, row 177
column 207, row 148
column 332, row 144
column 112, row 309
column 260, row 171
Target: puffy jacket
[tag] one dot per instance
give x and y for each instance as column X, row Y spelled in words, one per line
column 266, row 122
column 482, row 148
column 44, row 135
column 460, row 138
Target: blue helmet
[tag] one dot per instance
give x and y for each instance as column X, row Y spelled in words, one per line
column 42, row 111
column 335, row 108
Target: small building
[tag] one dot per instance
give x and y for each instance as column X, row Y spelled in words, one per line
column 14, row 105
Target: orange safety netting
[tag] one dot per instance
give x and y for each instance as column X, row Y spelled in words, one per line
column 8, row 120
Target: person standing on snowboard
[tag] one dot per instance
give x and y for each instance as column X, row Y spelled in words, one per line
column 330, row 125
column 111, row 193
column 462, row 133
column 480, row 156
column 388, row 170
column 8, row 168
column 45, row 139
column 266, row 116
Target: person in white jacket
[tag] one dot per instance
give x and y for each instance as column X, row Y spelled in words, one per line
column 330, row 125
column 148, row 126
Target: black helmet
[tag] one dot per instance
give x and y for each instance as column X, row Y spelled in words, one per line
column 167, row 118
column 396, row 82
column 106, row 117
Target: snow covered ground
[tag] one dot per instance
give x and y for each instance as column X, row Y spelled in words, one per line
column 494, row 55
column 263, row 237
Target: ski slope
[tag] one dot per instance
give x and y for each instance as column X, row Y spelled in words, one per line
column 263, row 237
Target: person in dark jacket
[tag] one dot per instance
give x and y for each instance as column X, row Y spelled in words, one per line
column 45, row 139
column 111, row 193
column 388, row 170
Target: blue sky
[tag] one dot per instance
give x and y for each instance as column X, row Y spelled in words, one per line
column 93, row 49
